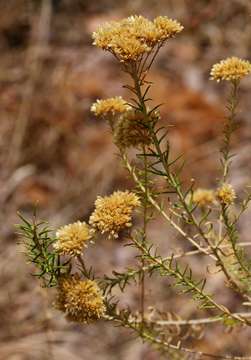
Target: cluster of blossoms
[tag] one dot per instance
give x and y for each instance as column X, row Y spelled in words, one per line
column 225, row 194
column 114, row 213
column 129, row 40
column 134, row 36
column 80, row 300
column 231, row 69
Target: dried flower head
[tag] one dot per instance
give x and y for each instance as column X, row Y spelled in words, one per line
column 226, row 194
column 120, row 39
column 130, row 49
column 143, row 30
column 111, row 106
column 131, row 130
column 72, row 238
column 203, row 197
column 114, row 213
column 80, row 300
column 134, row 36
column 231, row 69
column 166, row 27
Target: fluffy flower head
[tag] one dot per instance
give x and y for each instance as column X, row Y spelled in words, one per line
column 114, row 213
column 72, row 238
column 111, row 106
column 80, row 300
column 226, row 194
column 134, row 36
column 203, row 197
column 231, row 69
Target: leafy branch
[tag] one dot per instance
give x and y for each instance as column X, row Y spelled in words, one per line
column 37, row 239
column 149, row 334
column 184, row 278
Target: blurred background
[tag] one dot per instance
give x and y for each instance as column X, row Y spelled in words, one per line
column 54, row 153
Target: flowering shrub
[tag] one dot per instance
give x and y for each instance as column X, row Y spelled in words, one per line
column 210, row 214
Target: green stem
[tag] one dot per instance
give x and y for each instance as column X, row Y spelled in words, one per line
column 233, row 237
column 229, row 128
column 166, row 267
column 152, row 338
column 85, row 271
column 137, row 84
column 142, row 297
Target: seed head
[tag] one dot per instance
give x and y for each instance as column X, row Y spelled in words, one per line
column 226, row 194
column 131, row 130
column 203, row 197
column 72, row 238
column 111, row 106
column 231, row 69
column 80, row 300
column 114, row 213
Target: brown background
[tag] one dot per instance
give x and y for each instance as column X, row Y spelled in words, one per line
column 53, row 152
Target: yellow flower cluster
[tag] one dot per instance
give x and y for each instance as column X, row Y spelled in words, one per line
column 131, row 130
column 203, row 197
column 72, row 238
column 111, row 106
column 134, row 36
column 226, row 194
column 80, row 300
column 231, row 69
column 166, row 27
column 114, row 213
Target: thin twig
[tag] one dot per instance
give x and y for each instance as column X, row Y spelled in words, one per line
column 202, row 321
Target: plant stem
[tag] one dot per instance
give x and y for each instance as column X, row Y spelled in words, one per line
column 83, row 267
column 161, row 211
column 142, row 297
column 189, row 283
column 229, row 128
column 137, row 84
